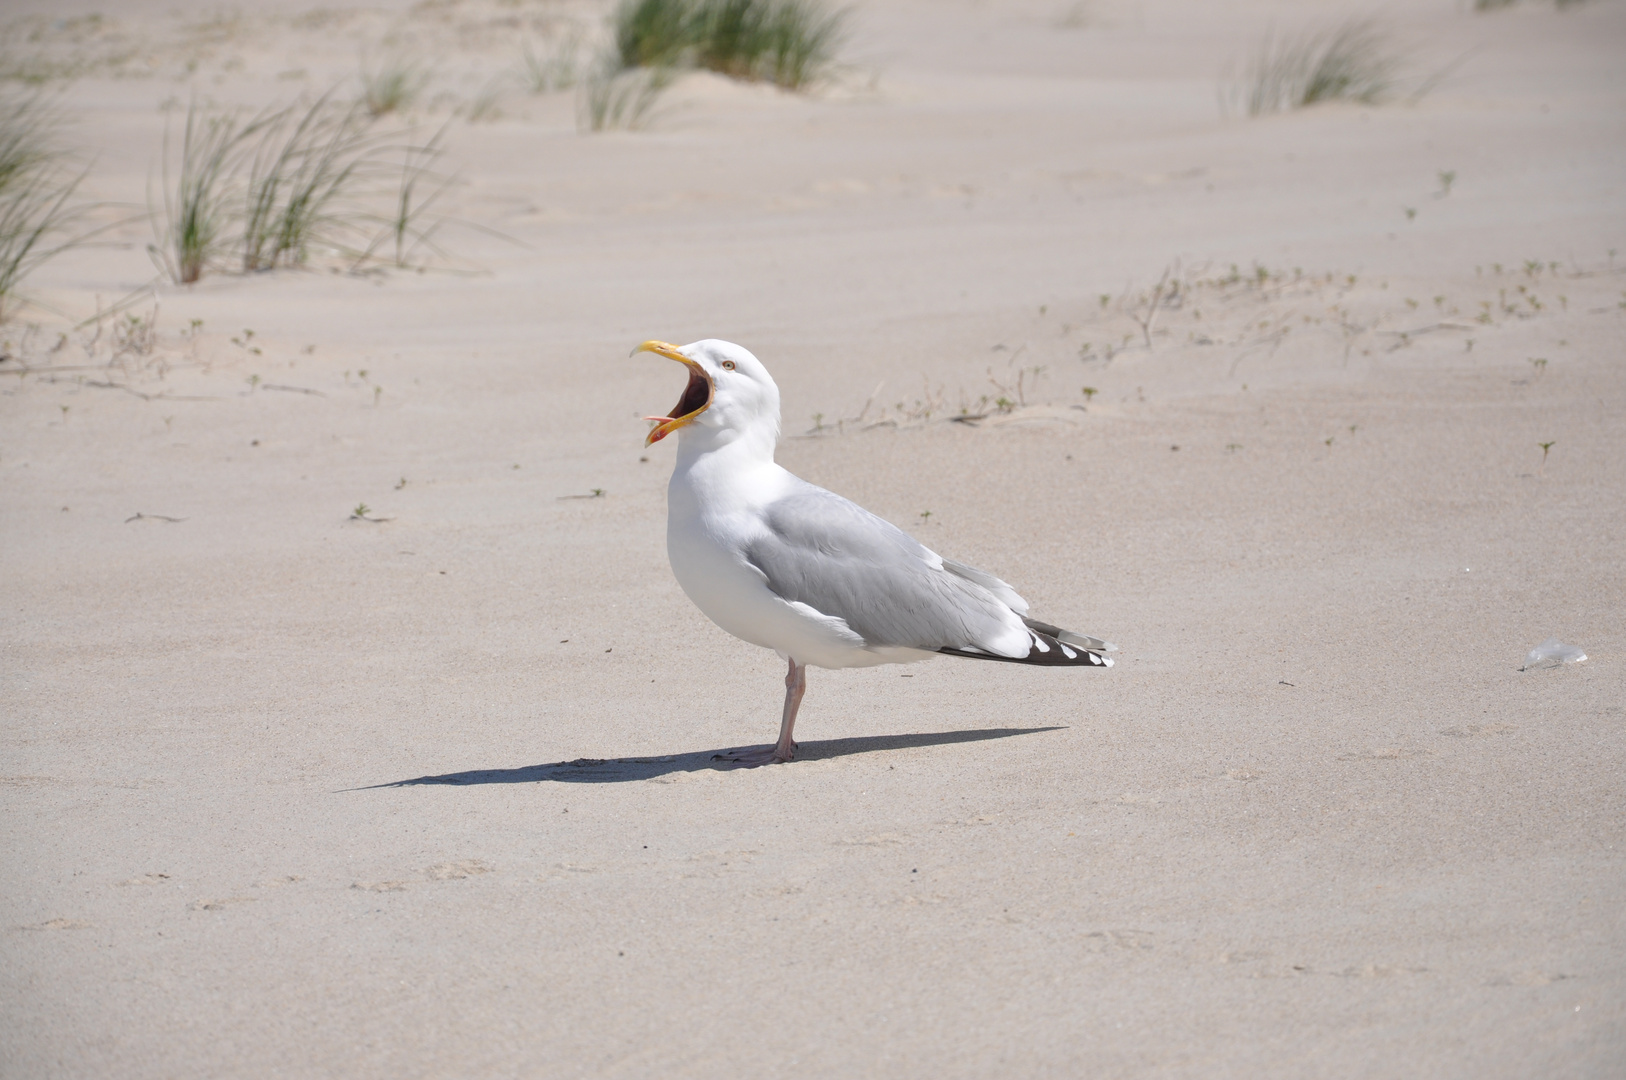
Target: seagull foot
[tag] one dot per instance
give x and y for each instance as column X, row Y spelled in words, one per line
column 749, row 757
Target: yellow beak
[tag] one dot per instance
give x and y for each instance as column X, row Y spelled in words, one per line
column 696, row 397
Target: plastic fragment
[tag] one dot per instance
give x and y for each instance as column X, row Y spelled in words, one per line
column 1553, row 652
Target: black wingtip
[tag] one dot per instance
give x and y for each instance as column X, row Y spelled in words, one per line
column 1046, row 650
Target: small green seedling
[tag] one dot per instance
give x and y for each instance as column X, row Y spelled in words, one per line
column 1539, row 363
column 1411, row 212
column 1089, row 393
column 401, row 485
column 925, row 516
column 361, row 511
column 1545, row 447
column 1447, row 178
column 378, row 392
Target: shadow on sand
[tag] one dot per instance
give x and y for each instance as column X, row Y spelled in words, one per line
column 627, row 770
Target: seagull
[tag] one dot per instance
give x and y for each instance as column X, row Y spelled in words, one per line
column 781, row 563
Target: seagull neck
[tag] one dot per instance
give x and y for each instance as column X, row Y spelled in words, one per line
column 711, row 461
column 727, row 449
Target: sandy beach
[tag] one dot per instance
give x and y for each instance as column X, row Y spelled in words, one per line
column 428, row 791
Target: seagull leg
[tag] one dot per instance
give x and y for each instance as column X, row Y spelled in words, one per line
column 785, row 749
column 795, row 686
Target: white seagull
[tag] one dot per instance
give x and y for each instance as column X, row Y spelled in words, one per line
column 800, row 570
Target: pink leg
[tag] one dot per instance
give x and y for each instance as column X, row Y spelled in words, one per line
column 785, row 749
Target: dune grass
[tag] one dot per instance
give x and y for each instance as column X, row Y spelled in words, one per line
column 613, row 98
column 197, row 215
column 272, row 191
column 1354, row 61
column 553, row 67
column 404, row 232
column 1499, row 5
column 39, row 218
column 304, row 170
column 791, row 43
column 27, row 135
column 394, row 84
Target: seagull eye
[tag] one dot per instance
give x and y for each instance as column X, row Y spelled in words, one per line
column 728, row 365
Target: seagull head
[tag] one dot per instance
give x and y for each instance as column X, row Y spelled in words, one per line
column 729, row 391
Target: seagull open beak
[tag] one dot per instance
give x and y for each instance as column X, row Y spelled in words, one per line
column 696, row 397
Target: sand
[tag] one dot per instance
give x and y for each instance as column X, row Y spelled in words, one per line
column 288, row 793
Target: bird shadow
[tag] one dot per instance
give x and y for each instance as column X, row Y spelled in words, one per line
column 629, row 770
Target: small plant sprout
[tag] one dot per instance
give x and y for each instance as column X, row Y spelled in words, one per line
column 360, row 512
column 401, row 485
column 253, row 382
column 1545, row 448
column 1411, row 212
column 378, row 392
column 1447, row 178
column 1089, row 393
column 1328, row 440
column 925, row 516
column 1539, row 363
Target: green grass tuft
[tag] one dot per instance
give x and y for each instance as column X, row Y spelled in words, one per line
column 554, row 67
column 394, row 85
column 1355, row 61
column 792, row 43
column 273, row 191
column 305, row 169
column 617, row 99
column 38, row 217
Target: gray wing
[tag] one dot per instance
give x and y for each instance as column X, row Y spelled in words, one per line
column 831, row 554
